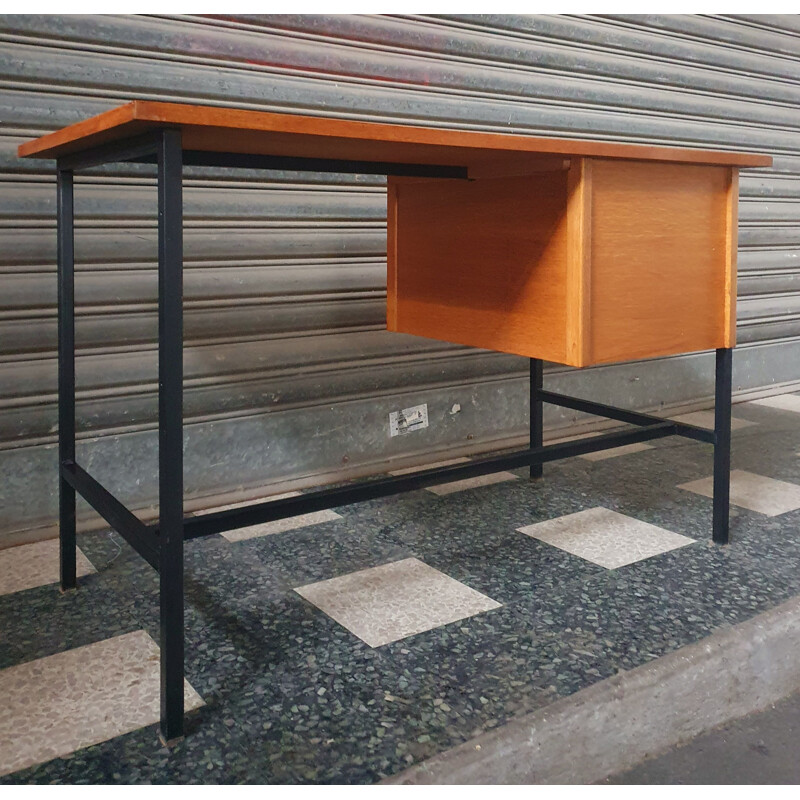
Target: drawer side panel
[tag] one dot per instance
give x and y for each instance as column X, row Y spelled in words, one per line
column 481, row 263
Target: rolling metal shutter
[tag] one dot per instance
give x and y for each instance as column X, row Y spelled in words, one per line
column 289, row 375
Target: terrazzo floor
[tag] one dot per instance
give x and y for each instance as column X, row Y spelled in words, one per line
column 348, row 647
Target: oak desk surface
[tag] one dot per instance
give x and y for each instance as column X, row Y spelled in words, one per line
column 211, row 128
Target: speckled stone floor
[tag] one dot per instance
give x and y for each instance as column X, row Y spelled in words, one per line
column 292, row 696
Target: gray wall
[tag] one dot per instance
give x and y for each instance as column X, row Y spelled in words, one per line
column 289, row 374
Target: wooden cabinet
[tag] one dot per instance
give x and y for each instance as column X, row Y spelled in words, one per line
column 595, row 260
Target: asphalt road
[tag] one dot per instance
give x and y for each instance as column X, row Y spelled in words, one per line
column 761, row 748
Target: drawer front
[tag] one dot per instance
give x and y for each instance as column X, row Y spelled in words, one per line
column 661, row 259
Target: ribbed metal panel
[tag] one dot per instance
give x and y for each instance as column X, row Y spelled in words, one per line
column 285, row 273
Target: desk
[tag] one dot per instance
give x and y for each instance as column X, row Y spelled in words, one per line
column 571, row 251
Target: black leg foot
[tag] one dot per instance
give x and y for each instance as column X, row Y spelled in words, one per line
column 169, row 743
column 67, row 537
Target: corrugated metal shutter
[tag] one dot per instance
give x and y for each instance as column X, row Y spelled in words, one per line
column 289, row 374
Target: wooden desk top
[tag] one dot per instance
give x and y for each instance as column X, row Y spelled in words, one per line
column 233, row 130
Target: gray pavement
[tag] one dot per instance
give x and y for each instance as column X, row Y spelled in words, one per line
column 761, row 748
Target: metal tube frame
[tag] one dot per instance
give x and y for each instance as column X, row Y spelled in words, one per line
column 170, row 430
column 536, row 412
column 66, row 377
column 161, row 545
column 722, row 445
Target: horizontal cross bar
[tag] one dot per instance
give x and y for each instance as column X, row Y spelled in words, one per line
column 135, row 149
column 138, row 535
column 620, row 414
column 271, row 510
column 138, row 148
column 202, row 158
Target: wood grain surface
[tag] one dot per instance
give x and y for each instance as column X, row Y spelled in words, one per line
column 611, row 261
column 731, row 252
column 243, row 131
column 481, row 263
column 578, row 252
column 660, row 259
column 579, row 262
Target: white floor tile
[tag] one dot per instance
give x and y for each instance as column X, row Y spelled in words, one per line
column 705, row 419
column 756, row 492
column 606, row 537
column 448, row 463
column 390, row 602
column 472, row 483
column 30, row 565
column 785, row 402
column 276, row 526
column 56, row 705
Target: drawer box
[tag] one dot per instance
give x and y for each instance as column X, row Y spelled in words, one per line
column 604, row 260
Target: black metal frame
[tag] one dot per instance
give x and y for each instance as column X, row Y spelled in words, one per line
column 161, row 545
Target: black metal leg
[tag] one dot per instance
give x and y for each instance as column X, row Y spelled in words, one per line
column 170, row 430
column 66, row 375
column 536, row 421
column 722, row 445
